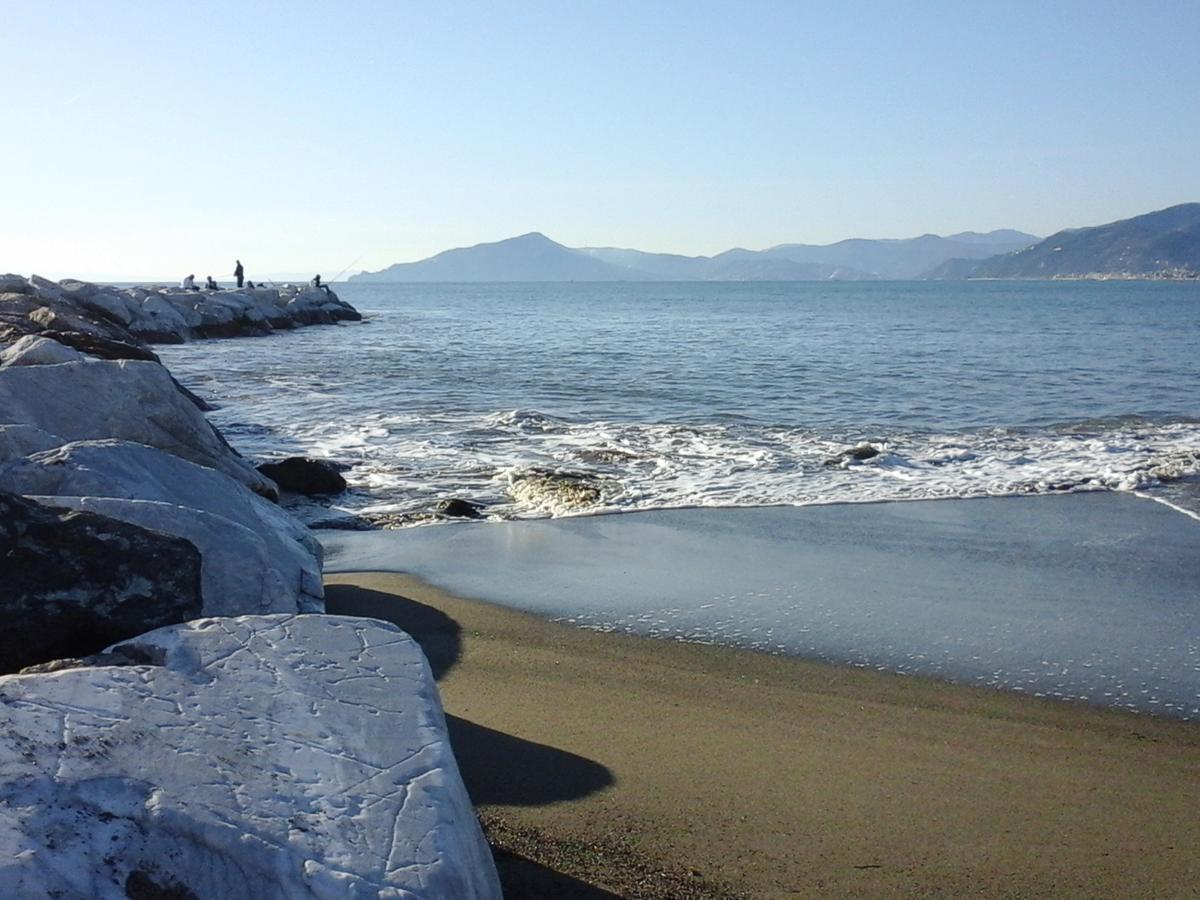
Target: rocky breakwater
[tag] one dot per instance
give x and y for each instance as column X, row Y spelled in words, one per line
column 112, row 322
column 183, row 720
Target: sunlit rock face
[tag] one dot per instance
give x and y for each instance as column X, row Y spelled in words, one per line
column 269, row 757
column 126, row 400
column 257, row 558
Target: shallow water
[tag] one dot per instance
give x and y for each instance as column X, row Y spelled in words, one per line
column 1092, row 597
column 663, row 395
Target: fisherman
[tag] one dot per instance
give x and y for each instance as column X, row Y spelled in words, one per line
column 238, row 272
column 316, row 283
column 189, row 283
column 210, row 284
column 250, row 284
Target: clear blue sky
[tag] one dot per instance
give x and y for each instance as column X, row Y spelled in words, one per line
column 156, row 139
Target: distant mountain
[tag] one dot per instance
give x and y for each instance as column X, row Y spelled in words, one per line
column 1165, row 243
column 732, row 265
column 907, row 258
column 534, row 257
column 530, row 257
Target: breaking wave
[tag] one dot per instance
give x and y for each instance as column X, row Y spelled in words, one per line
column 523, row 464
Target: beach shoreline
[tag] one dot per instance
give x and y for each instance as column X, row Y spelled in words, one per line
column 613, row 765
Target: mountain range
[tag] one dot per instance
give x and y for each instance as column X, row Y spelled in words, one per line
column 1165, row 243
column 535, row 257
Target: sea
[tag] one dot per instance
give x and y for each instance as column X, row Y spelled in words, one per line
column 552, row 400
column 715, row 412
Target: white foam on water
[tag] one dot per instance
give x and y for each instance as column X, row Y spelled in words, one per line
column 522, row 464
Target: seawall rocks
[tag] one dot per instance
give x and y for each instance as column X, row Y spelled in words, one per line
column 270, row 757
column 116, row 321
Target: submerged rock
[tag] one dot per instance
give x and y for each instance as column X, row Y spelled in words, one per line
column 858, row 453
column 276, row 757
column 71, row 583
column 311, row 477
column 556, row 491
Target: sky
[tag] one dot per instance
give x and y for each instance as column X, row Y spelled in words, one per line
column 153, row 140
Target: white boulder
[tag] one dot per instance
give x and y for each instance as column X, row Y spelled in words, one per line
column 286, row 556
column 277, row 757
column 241, row 571
column 123, row 399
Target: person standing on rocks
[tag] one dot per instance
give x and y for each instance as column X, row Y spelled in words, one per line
column 238, row 272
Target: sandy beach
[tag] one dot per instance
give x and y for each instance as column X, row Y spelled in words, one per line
column 607, row 765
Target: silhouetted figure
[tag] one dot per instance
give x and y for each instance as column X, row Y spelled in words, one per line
column 238, row 272
column 189, row 283
column 316, row 281
column 250, row 284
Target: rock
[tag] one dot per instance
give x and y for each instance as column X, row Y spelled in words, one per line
column 32, row 350
column 858, row 453
column 118, row 320
column 72, row 583
column 242, row 572
column 312, row 477
column 21, row 440
column 14, row 284
column 286, row 557
column 459, row 509
column 269, row 757
column 862, row 451
column 556, row 491
column 126, row 400
column 101, row 347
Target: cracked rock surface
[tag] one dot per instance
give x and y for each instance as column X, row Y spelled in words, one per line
column 274, row 756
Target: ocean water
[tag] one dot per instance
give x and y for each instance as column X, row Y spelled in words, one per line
column 553, row 400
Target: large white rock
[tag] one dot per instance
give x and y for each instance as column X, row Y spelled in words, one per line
column 123, row 399
column 270, row 757
column 127, row 471
column 241, row 573
column 32, row 350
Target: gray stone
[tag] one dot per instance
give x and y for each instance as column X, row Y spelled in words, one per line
column 72, row 583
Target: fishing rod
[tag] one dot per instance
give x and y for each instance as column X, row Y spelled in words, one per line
column 345, row 270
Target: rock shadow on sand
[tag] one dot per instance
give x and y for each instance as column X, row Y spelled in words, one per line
column 497, row 768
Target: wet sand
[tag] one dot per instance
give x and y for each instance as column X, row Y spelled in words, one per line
column 609, row 765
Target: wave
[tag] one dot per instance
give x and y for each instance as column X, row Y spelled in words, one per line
column 525, row 464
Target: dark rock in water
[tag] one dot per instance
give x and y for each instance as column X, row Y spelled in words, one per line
column 343, row 523
column 73, row 583
column 858, row 453
column 861, row 452
column 311, row 477
column 459, row 509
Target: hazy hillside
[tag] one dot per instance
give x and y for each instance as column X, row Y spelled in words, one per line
column 907, row 258
column 534, row 257
column 1162, row 243
column 530, row 257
